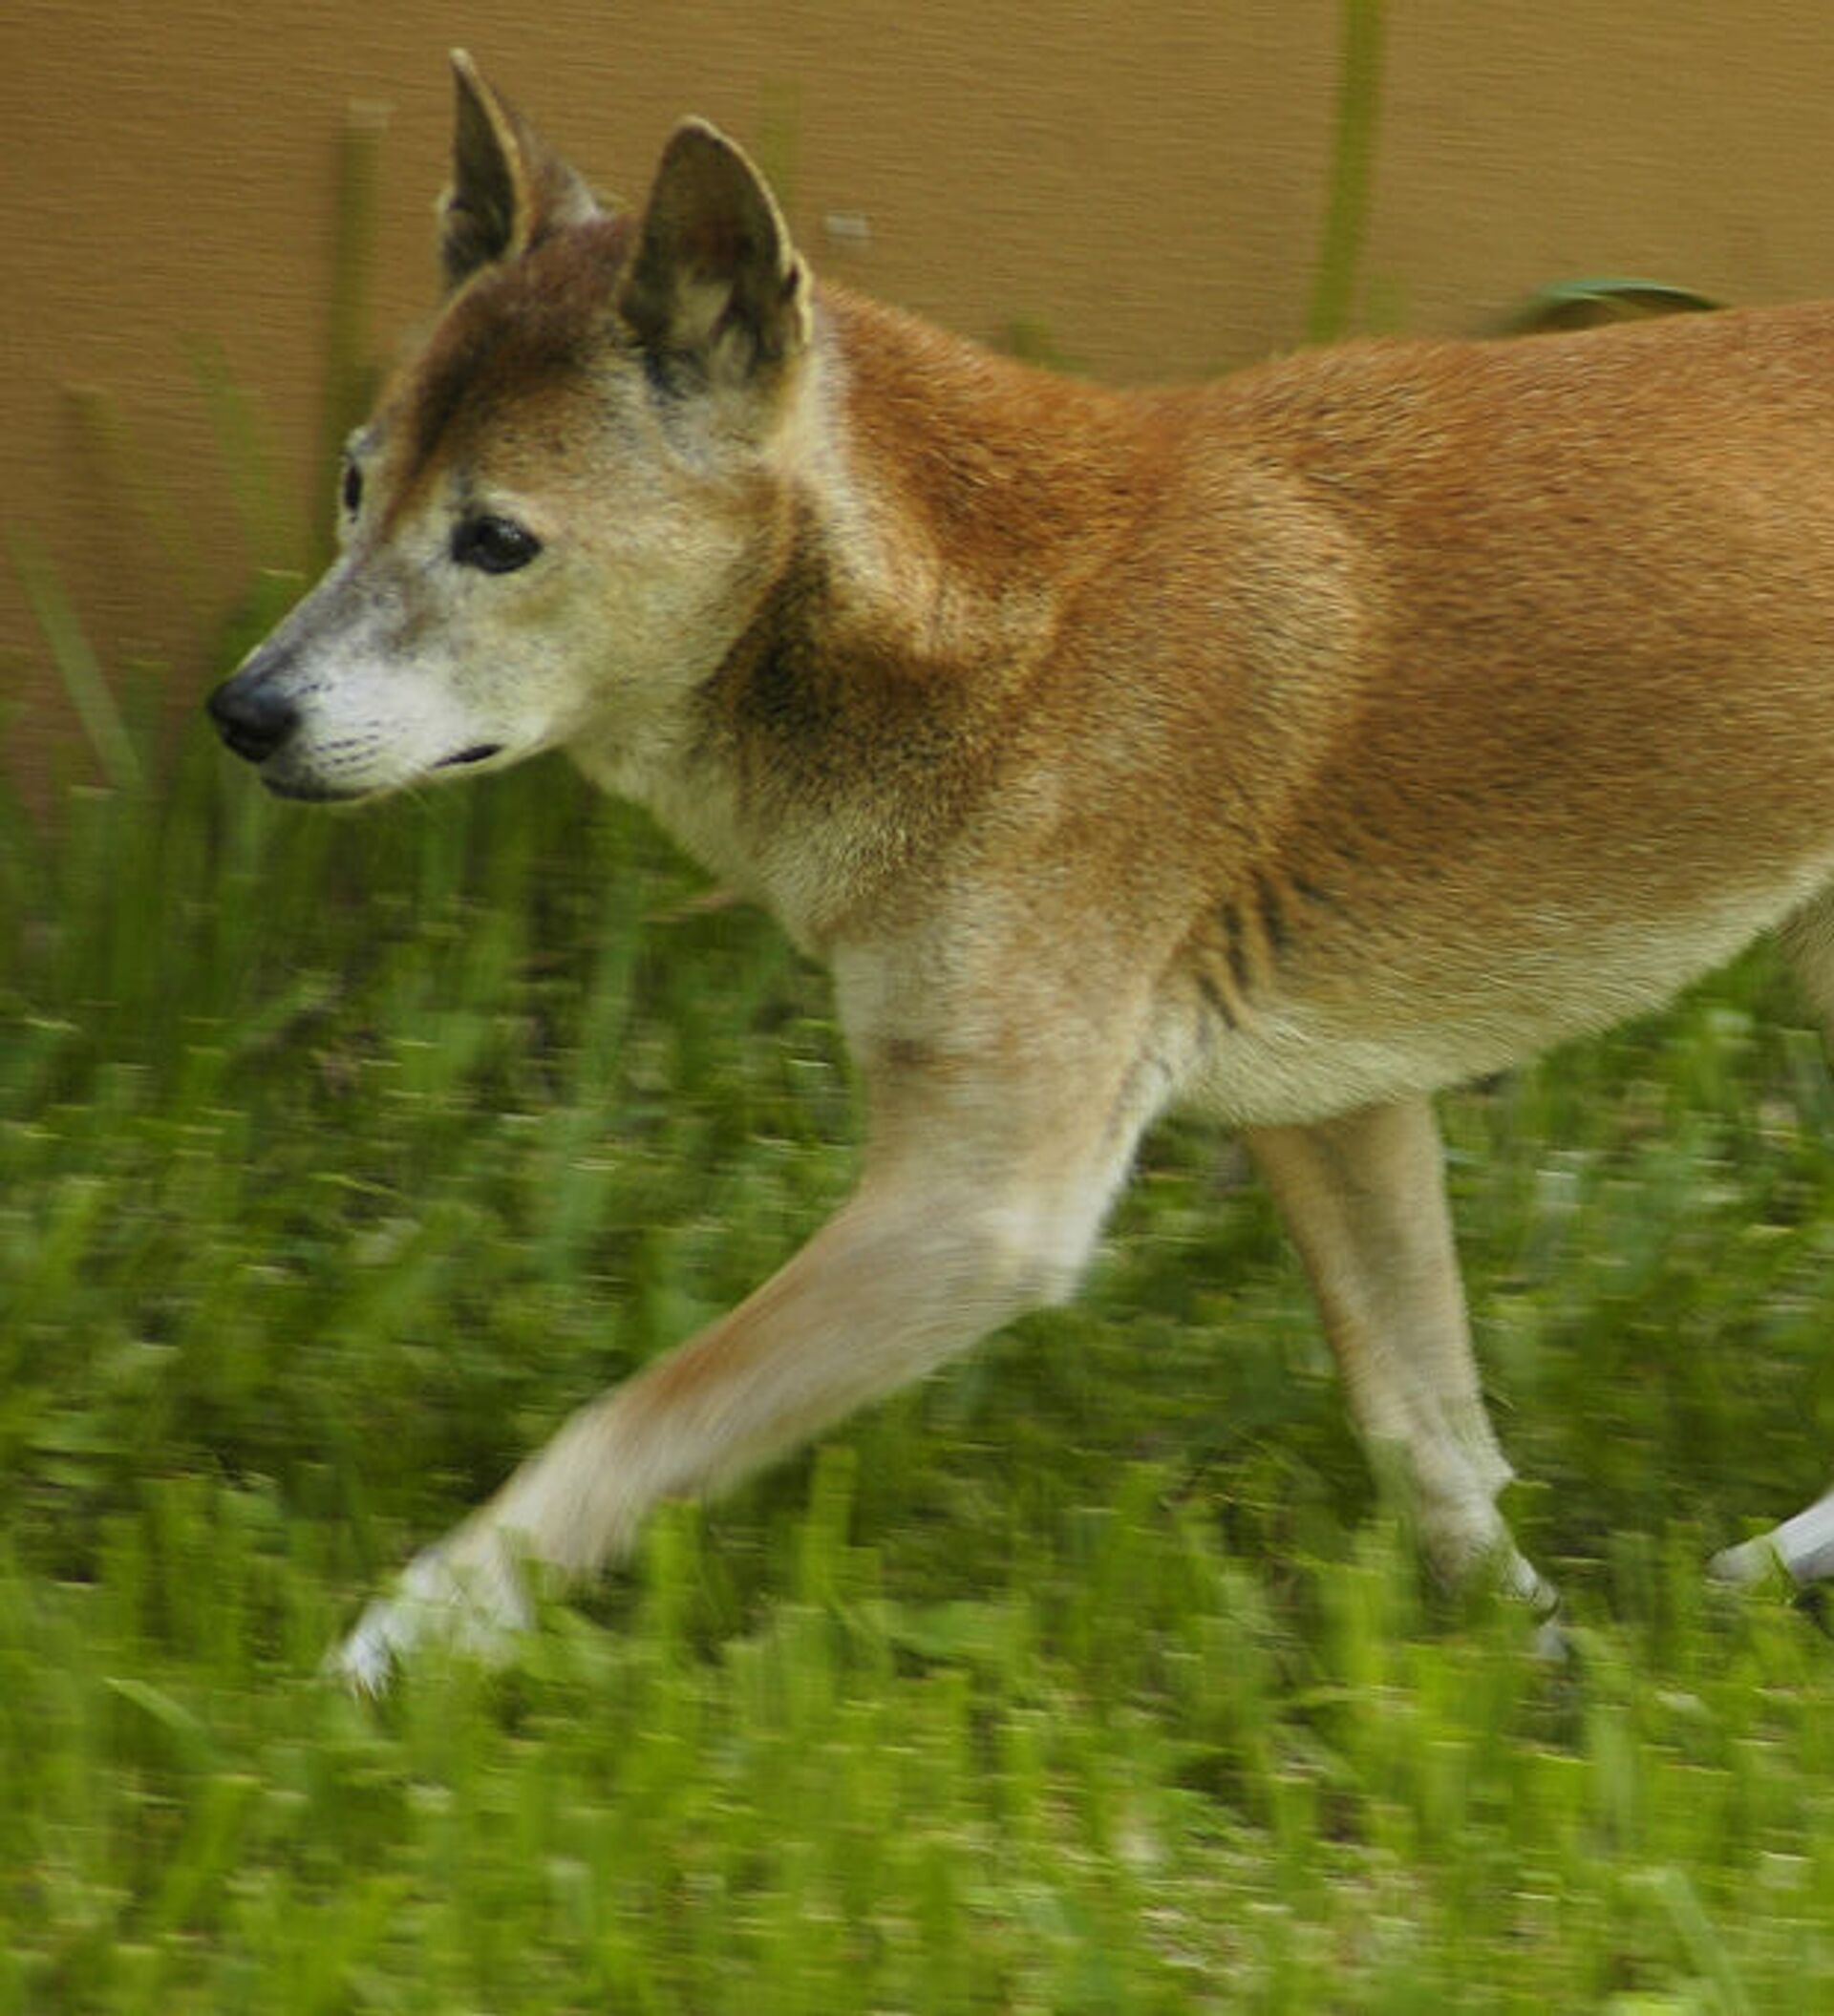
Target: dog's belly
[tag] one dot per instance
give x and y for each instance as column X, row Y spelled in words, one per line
column 1415, row 1017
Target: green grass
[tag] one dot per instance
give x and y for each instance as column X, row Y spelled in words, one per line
column 339, row 1156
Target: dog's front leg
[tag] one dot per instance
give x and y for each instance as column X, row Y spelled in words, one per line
column 919, row 1265
column 1364, row 1198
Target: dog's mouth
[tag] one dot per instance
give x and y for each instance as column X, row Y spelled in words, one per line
column 308, row 789
column 305, row 791
column 302, row 784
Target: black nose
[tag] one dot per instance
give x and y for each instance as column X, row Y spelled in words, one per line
column 252, row 713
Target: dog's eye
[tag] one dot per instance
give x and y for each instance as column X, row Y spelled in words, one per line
column 351, row 490
column 493, row 545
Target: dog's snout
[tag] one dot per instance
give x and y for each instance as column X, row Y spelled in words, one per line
column 253, row 714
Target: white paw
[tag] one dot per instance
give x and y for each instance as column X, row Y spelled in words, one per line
column 1801, row 1548
column 1749, row 1564
column 474, row 1605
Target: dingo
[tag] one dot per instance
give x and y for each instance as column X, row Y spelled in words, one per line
column 1288, row 749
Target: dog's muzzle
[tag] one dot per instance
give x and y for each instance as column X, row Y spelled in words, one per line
column 254, row 714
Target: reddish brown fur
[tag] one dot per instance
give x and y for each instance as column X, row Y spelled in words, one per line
column 1469, row 624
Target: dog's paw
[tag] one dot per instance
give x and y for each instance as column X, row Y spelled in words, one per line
column 1800, row 1551
column 1749, row 1564
column 475, row 1607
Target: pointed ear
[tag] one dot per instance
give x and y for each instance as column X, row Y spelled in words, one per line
column 716, row 289
column 509, row 188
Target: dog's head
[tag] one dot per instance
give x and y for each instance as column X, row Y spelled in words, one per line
column 568, row 504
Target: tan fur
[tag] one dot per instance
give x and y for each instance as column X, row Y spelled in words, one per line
column 1286, row 748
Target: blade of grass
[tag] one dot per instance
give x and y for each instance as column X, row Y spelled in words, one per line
column 77, row 666
column 272, row 544
column 1340, row 255
column 129, row 473
column 349, row 367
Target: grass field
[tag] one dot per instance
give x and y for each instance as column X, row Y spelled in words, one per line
column 339, row 1156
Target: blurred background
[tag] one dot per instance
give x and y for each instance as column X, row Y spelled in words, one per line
column 219, row 214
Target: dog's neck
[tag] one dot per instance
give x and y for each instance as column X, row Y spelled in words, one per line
column 927, row 568
column 954, row 486
column 941, row 507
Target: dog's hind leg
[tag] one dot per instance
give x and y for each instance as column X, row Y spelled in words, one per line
column 1802, row 1546
column 1364, row 1198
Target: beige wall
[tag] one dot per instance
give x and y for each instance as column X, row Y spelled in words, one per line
column 1143, row 179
